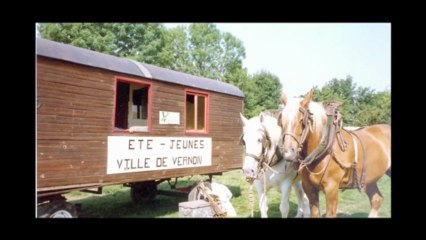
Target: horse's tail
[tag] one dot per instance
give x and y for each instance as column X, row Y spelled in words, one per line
column 388, row 172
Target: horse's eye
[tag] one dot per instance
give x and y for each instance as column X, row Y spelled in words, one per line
column 259, row 140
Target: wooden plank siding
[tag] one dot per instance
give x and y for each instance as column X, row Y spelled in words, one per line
column 76, row 117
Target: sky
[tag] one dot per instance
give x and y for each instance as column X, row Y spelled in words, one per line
column 304, row 55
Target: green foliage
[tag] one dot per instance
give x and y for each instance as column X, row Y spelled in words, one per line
column 241, row 79
column 263, row 90
column 361, row 106
column 93, row 36
column 177, row 50
column 203, row 50
column 376, row 110
column 141, row 41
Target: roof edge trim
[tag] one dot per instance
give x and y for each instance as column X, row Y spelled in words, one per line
column 142, row 68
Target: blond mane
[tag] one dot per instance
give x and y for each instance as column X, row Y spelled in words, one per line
column 319, row 117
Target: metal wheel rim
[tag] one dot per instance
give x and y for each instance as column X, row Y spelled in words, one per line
column 61, row 214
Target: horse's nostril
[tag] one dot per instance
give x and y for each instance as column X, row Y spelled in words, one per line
column 248, row 171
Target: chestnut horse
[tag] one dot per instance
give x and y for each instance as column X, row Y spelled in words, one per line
column 304, row 125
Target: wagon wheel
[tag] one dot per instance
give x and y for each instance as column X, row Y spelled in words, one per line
column 142, row 192
column 196, row 194
column 57, row 209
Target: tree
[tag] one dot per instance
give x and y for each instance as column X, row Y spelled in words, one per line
column 342, row 90
column 93, row 36
column 141, row 41
column 177, row 50
column 263, row 92
column 360, row 106
column 375, row 109
column 203, row 50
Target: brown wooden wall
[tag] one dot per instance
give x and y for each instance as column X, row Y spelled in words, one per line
column 75, row 119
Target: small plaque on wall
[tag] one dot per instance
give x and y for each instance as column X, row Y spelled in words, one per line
column 169, row 117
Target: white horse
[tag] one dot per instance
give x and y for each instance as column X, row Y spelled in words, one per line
column 260, row 137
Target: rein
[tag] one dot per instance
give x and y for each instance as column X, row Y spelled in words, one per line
column 257, row 158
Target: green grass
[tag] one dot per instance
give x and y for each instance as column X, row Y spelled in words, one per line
column 115, row 201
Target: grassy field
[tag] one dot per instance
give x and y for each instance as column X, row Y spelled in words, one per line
column 115, row 201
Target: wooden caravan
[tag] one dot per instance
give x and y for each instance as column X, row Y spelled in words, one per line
column 105, row 120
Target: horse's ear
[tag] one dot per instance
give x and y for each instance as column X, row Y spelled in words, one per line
column 308, row 98
column 283, row 98
column 261, row 117
column 279, row 120
column 243, row 119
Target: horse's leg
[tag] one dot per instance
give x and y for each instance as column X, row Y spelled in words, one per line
column 302, row 201
column 331, row 192
column 312, row 194
column 263, row 200
column 376, row 199
column 285, row 194
column 263, row 205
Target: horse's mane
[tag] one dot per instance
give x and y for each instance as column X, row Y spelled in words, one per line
column 317, row 110
column 269, row 123
column 319, row 117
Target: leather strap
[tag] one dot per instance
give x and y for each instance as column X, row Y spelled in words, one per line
column 361, row 185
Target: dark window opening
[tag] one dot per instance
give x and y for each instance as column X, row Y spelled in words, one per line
column 121, row 108
column 131, row 107
column 190, row 105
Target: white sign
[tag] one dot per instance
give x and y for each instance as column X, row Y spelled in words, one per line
column 139, row 154
column 169, row 117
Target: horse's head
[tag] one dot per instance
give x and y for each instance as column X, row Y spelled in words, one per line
column 295, row 121
column 257, row 141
